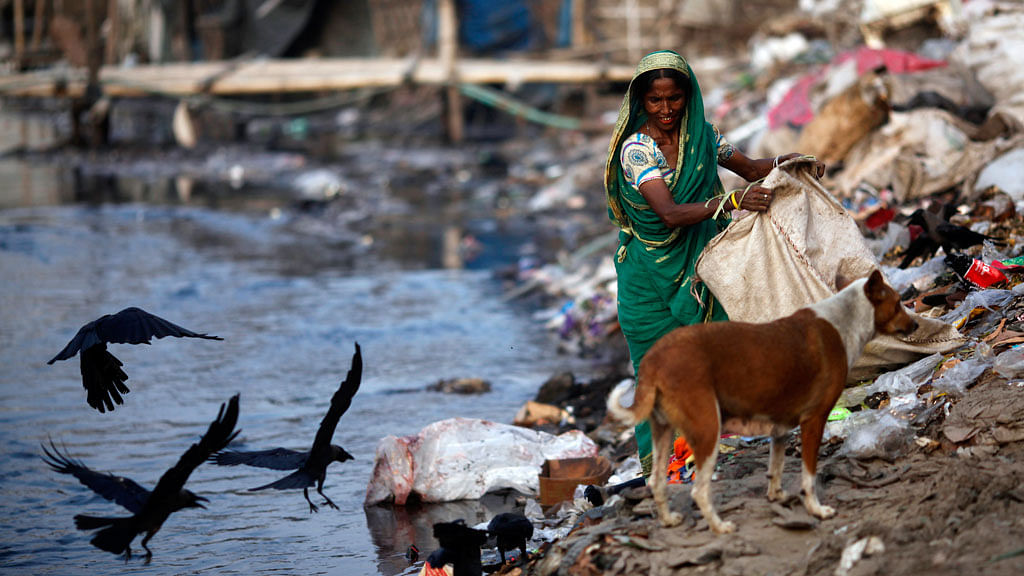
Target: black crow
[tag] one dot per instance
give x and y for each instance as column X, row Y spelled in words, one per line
column 149, row 509
column 936, row 232
column 460, row 547
column 310, row 467
column 975, row 114
column 102, row 376
column 511, row 530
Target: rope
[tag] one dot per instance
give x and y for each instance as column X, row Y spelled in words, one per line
column 723, row 196
column 502, row 101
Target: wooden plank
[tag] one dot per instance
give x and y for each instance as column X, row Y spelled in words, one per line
column 273, row 76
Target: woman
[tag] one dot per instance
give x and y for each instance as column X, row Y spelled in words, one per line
column 664, row 194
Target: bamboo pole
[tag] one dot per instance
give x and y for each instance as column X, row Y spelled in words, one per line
column 37, row 25
column 114, row 39
column 633, row 29
column 19, row 31
column 448, row 43
column 578, row 27
column 92, row 42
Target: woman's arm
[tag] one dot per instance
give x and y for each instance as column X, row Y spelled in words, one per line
column 750, row 169
column 675, row 215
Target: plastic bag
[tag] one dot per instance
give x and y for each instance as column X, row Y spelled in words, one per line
column 905, row 380
column 960, row 375
column 877, row 435
column 462, row 458
column 920, row 277
column 978, row 299
column 1010, row 364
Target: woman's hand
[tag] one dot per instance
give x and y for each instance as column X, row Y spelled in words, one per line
column 755, row 199
column 819, row 166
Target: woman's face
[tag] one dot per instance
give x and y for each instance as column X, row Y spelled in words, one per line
column 664, row 104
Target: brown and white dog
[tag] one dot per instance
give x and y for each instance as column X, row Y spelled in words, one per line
column 756, row 379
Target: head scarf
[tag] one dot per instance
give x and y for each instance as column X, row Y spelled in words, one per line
column 696, row 177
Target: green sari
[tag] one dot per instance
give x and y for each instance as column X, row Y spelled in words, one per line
column 654, row 263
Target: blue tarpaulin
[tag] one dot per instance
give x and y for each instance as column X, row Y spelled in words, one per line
column 486, row 26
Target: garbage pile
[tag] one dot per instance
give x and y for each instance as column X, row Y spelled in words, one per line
column 916, row 138
column 925, row 147
column 924, row 142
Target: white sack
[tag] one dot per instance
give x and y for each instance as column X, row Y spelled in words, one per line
column 766, row 265
column 463, row 458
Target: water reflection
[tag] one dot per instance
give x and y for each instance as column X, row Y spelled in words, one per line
column 394, row 529
column 28, row 184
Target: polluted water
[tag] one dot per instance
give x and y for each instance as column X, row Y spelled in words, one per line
column 290, row 288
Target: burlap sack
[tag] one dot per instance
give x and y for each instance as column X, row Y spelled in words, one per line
column 766, row 265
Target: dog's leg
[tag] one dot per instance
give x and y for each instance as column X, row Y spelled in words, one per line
column 701, row 493
column 776, row 457
column 662, row 434
column 810, row 438
column 704, row 444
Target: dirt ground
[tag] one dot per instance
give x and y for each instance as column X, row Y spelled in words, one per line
column 939, row 507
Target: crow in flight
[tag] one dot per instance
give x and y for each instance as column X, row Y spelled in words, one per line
column 310, row 467
column 937, row 231
column 102, row 376
column 149, row 509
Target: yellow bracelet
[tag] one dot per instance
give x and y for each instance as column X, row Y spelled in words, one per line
column 732, row 197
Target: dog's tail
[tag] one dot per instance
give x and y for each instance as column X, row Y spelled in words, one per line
column 639, row 404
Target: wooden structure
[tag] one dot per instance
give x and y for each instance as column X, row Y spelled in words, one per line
column 95, row 62
column 608, row 37
column 265, row 76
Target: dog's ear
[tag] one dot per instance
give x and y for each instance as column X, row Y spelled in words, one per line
column 876, row 287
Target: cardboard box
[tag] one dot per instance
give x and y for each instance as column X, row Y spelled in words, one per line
column 559, row 478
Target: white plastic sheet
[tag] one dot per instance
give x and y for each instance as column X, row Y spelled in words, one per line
column 462, row 458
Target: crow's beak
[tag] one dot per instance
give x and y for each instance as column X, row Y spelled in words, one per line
column 198, row 505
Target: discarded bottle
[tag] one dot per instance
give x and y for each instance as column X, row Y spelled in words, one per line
column 1010, row 264
column 974, row 271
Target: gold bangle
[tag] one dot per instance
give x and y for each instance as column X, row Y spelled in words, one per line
column 732, row 197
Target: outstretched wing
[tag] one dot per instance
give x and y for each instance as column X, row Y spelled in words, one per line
column 119, row 489
column 340, row 402
column 298, row 479
column 220, row 432
column 84, row 339
column 136, row 326
column 129, row 326
column 275, row 458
